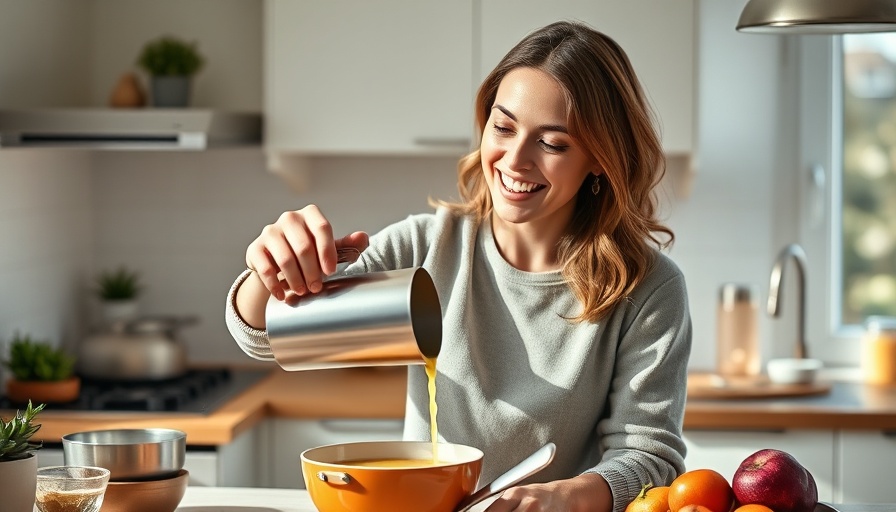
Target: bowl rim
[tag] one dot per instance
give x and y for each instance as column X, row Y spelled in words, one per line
column 166, row 435
column 469, row 454
column 98, row 473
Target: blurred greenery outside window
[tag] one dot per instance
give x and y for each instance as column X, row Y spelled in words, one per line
column 868, row 222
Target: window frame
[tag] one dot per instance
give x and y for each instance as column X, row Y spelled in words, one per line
column 819, row 199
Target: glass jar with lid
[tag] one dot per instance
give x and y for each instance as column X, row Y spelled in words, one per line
column 879, row 350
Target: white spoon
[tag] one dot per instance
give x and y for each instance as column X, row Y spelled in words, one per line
column 528, row 467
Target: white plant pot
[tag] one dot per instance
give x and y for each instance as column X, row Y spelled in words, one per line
column 117, row 311
column 18, row 484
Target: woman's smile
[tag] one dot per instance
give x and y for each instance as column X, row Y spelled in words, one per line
column 519, row 187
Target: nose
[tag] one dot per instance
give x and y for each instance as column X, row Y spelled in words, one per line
column 516, row 155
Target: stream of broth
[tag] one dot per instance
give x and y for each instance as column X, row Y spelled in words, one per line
column 433, row 408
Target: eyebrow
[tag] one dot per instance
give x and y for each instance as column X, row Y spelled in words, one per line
column 544, row 127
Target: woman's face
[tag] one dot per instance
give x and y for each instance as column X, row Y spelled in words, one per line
column 533, row 167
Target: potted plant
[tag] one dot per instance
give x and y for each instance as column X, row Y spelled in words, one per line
column 40, row 372
column 18, row 463
column 171, row 63
column 118, row 290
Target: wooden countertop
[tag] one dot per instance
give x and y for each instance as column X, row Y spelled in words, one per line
column 380, row 393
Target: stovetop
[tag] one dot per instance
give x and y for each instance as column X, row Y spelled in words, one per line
column 198, row 391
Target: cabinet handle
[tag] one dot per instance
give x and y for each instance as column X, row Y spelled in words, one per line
column 442, row 142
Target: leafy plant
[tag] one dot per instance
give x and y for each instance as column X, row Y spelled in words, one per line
column 119, row 284
column 31, row 360
column 169, row 56
column 15, row 435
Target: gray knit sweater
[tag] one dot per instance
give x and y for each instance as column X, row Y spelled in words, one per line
column 513, row 374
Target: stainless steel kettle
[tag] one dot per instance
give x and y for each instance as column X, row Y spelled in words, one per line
column 145, row 348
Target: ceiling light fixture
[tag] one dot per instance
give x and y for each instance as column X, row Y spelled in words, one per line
column 818, row 16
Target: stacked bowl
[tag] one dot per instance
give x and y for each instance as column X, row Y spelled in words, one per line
column 145, row 466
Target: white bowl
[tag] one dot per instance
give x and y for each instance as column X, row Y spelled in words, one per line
column 793, row 371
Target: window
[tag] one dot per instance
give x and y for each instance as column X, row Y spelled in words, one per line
column 868, row 193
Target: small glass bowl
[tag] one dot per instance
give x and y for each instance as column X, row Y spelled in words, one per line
column 71, row 488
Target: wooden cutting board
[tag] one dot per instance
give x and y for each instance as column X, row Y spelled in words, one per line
column 713, row 386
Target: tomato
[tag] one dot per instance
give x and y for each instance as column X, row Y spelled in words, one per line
column 702, row 487
column 650, row 499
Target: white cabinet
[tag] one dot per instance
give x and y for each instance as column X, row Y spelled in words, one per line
column 723, row 451
column 384, row 77
column 658, row 36
column 289, row 438
column 865, row 464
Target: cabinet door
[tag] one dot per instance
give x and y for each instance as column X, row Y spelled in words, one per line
column 866, row 461
column 391, row 76
column 724, row 451
column 657, row 35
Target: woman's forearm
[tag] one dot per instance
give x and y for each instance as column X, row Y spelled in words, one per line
column 251, row 301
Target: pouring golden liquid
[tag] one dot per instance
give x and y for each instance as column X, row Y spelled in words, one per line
column 433, row 408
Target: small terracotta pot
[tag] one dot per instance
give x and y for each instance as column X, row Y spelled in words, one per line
column 59, row 391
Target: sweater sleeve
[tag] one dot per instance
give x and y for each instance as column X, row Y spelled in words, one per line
column 640, row 434
column 254, row 342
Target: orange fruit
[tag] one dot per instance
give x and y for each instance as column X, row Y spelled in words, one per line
column 702, row 487
column 753, row 507
column 694, row 508
column 650, row 499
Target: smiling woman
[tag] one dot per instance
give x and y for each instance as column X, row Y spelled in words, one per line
column 562, row 320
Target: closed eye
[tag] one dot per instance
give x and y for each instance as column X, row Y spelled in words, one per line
column 502, row 130
column 553, row 148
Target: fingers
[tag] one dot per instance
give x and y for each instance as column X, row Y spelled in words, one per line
column 296, row 252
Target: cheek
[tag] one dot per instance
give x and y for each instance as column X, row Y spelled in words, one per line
column 488, row 153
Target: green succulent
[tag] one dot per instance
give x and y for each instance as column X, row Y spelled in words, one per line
column 169, row 56
column 31, row 360
column 119, row 284
column 15, row 435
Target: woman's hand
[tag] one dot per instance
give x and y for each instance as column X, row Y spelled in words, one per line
column 294, row 253
column 584, row 493
column 297, row 251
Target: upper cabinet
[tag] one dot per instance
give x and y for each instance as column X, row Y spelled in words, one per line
column 360, row 77
column 400, row 76
column 657, row 35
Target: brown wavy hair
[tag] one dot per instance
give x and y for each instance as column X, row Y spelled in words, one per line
column 606, row 250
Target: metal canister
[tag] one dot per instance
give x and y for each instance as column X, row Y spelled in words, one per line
column 737, row 332
column 374, row 319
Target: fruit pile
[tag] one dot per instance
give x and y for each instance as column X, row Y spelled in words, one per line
column 766, row 481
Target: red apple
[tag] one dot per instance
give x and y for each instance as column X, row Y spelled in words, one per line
column 774, row 478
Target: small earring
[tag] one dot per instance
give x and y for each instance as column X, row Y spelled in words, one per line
column 595, row 185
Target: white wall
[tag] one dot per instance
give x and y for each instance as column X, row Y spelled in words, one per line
column 184, row 219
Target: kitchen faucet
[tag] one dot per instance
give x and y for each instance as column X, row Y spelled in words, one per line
column 774, row 292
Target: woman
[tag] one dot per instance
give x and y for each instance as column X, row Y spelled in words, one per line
column 562, row 320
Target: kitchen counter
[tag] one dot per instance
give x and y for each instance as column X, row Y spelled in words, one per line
column 380, row 393
column 235, row 499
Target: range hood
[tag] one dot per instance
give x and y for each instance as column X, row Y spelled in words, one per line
column 128, row 129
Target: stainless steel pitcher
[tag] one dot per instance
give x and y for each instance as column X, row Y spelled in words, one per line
column 374, row 319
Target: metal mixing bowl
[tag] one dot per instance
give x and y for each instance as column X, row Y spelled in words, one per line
column 128, row 454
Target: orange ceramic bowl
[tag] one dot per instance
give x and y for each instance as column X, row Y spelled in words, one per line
column 337, row 483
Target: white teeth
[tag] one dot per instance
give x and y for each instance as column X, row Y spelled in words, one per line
column 516, row 186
